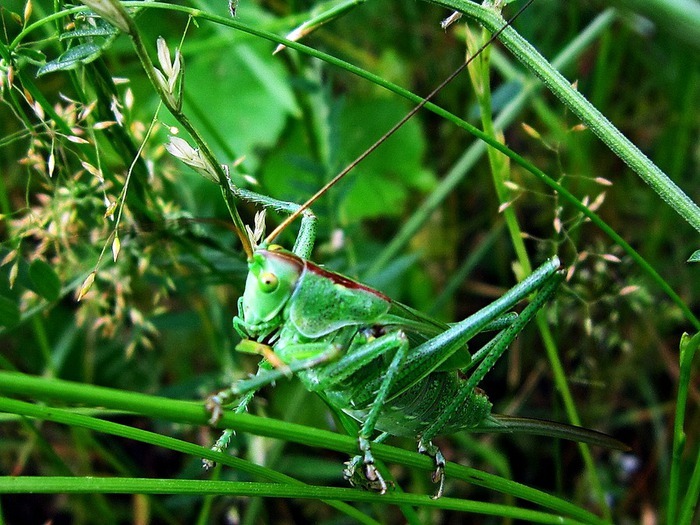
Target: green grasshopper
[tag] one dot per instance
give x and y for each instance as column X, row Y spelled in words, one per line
column 390, row 367
column 385, row 364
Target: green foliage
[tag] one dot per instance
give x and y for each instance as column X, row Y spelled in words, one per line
column 90, row 42
column 85, row 176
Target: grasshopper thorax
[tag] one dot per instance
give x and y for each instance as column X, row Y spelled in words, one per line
column 272, row 277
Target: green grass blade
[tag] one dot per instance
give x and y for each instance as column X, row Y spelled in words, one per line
column 78, row 420
column 93, row 485
column 195, row 413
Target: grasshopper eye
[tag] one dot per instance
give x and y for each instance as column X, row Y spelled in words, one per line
column 268, row 282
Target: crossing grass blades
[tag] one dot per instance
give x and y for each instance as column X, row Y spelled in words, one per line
column 393, row 369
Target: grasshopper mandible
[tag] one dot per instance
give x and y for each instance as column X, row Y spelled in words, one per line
column 390, row 367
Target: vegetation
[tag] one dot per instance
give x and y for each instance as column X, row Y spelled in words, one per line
column 120, row 272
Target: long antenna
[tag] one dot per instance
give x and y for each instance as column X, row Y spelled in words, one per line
column 280, row 228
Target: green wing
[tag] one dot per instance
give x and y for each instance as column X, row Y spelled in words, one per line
column 421, row 327
column 413, row 320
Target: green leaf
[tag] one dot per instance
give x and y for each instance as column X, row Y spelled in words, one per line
column 245, row 98
column 44, row 280
column 379, row 186
column 71, row 59
column 9, row 312
column 268, row 75
column 103, row 30
column 382, row 183
column 695, row 257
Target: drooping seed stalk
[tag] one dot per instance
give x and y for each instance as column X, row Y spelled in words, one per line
column 117, row 15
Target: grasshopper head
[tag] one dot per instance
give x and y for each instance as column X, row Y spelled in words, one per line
column 272, row 277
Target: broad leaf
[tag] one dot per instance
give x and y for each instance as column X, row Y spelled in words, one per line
column 71, row 59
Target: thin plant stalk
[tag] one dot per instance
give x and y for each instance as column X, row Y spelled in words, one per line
column 479, row 72
column 94, row 485
column 115, row 13
column 577, row 103
column 194, row 413
column 689, row 345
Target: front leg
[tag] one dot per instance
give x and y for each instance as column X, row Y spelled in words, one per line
column 245, row 389
column 215, row 403
column 224, row 440
column 307, row 231
column 267, row 374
